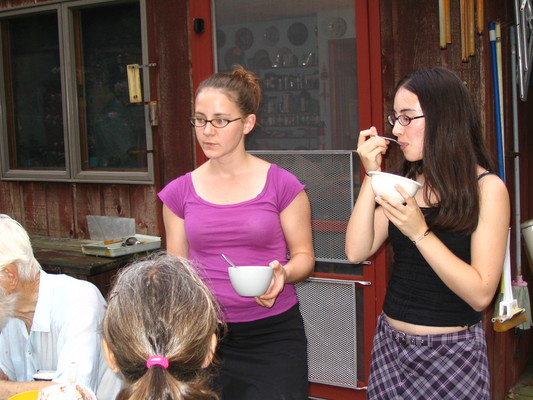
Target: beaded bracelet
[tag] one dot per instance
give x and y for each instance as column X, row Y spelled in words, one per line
column 421, row 237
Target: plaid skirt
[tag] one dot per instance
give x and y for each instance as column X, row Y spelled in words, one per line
column 424, row 367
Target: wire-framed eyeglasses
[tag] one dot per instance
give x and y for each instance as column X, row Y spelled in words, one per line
column 402, row 119
column 216, row 122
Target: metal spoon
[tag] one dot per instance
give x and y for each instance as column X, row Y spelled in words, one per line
column 390, row 139
column 228, row 261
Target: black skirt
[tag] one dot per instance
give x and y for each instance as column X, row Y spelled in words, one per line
column 264, row 359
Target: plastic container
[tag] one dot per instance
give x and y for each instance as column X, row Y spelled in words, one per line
column 118, row 248
column 29, row 395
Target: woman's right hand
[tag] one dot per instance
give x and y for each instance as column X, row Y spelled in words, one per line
column 371, row 149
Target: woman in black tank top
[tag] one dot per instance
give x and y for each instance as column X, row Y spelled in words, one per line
column 448, row 240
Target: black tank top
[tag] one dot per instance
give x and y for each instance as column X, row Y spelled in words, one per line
column 415, row 293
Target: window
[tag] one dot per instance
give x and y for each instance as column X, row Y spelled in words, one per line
column 66, row 112
column 304, row 54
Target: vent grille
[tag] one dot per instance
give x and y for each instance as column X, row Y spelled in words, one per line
column 329, row 177
column 328, row 307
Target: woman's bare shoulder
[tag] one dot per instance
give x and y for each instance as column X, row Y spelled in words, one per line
column 494, row 193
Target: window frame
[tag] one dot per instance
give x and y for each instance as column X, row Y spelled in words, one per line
column 73, row 171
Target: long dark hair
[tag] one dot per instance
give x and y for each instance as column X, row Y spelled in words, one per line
column 453, row 147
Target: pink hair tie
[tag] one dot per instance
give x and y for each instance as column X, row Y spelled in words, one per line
column 157, row 360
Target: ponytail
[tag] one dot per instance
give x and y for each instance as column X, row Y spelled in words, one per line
column 159, row 325
column 159, row 384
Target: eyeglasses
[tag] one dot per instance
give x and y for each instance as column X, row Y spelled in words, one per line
column 216, row 122
column 402, row 119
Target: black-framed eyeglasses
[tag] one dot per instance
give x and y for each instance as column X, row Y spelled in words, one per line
column 216, row 122
column 402, row 119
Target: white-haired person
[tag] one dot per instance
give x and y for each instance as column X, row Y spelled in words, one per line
column 47, row 322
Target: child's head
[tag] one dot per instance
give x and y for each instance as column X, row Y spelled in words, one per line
column 159, row 330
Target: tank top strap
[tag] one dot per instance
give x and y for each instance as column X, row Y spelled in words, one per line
column 485, row 174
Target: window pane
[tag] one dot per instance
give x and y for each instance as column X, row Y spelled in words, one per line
column 306, row 60
column 113, row 129
column 33, row 87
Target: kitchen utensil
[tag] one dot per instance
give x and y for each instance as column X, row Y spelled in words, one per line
column 250, row 281
column 337, row 27
column 297, row 33
column 384, row 183
column 309, row 59
column 389, row 139
column 271, row 35
column 228, row 261
column 244, row 38
column 261, row 59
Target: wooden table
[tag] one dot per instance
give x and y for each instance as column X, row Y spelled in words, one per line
column 64, row 256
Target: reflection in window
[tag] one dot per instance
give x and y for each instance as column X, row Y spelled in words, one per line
column 305, row 59
column 65, row 112
column 113, row 132
column 33, row 83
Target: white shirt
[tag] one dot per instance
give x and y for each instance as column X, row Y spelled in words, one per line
column 66, row 329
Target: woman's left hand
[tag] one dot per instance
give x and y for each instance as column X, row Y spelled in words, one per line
column 276, row 286
column 408, row 217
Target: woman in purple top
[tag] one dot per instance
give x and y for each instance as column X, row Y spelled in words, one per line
column 257, row 214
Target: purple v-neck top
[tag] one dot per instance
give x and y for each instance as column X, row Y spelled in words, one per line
column 249, row 233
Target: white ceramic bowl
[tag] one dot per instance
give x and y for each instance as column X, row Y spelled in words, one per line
column 250, row 281
column 383, row 184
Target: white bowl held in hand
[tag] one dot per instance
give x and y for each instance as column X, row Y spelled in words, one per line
column 250, row 281
column 383, row 184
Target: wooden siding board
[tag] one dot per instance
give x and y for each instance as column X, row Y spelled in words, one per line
column 59, row 210
column 35, row 218
column 116, row 200
column 86, row 201
column 11, row 199
column 145, row 206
